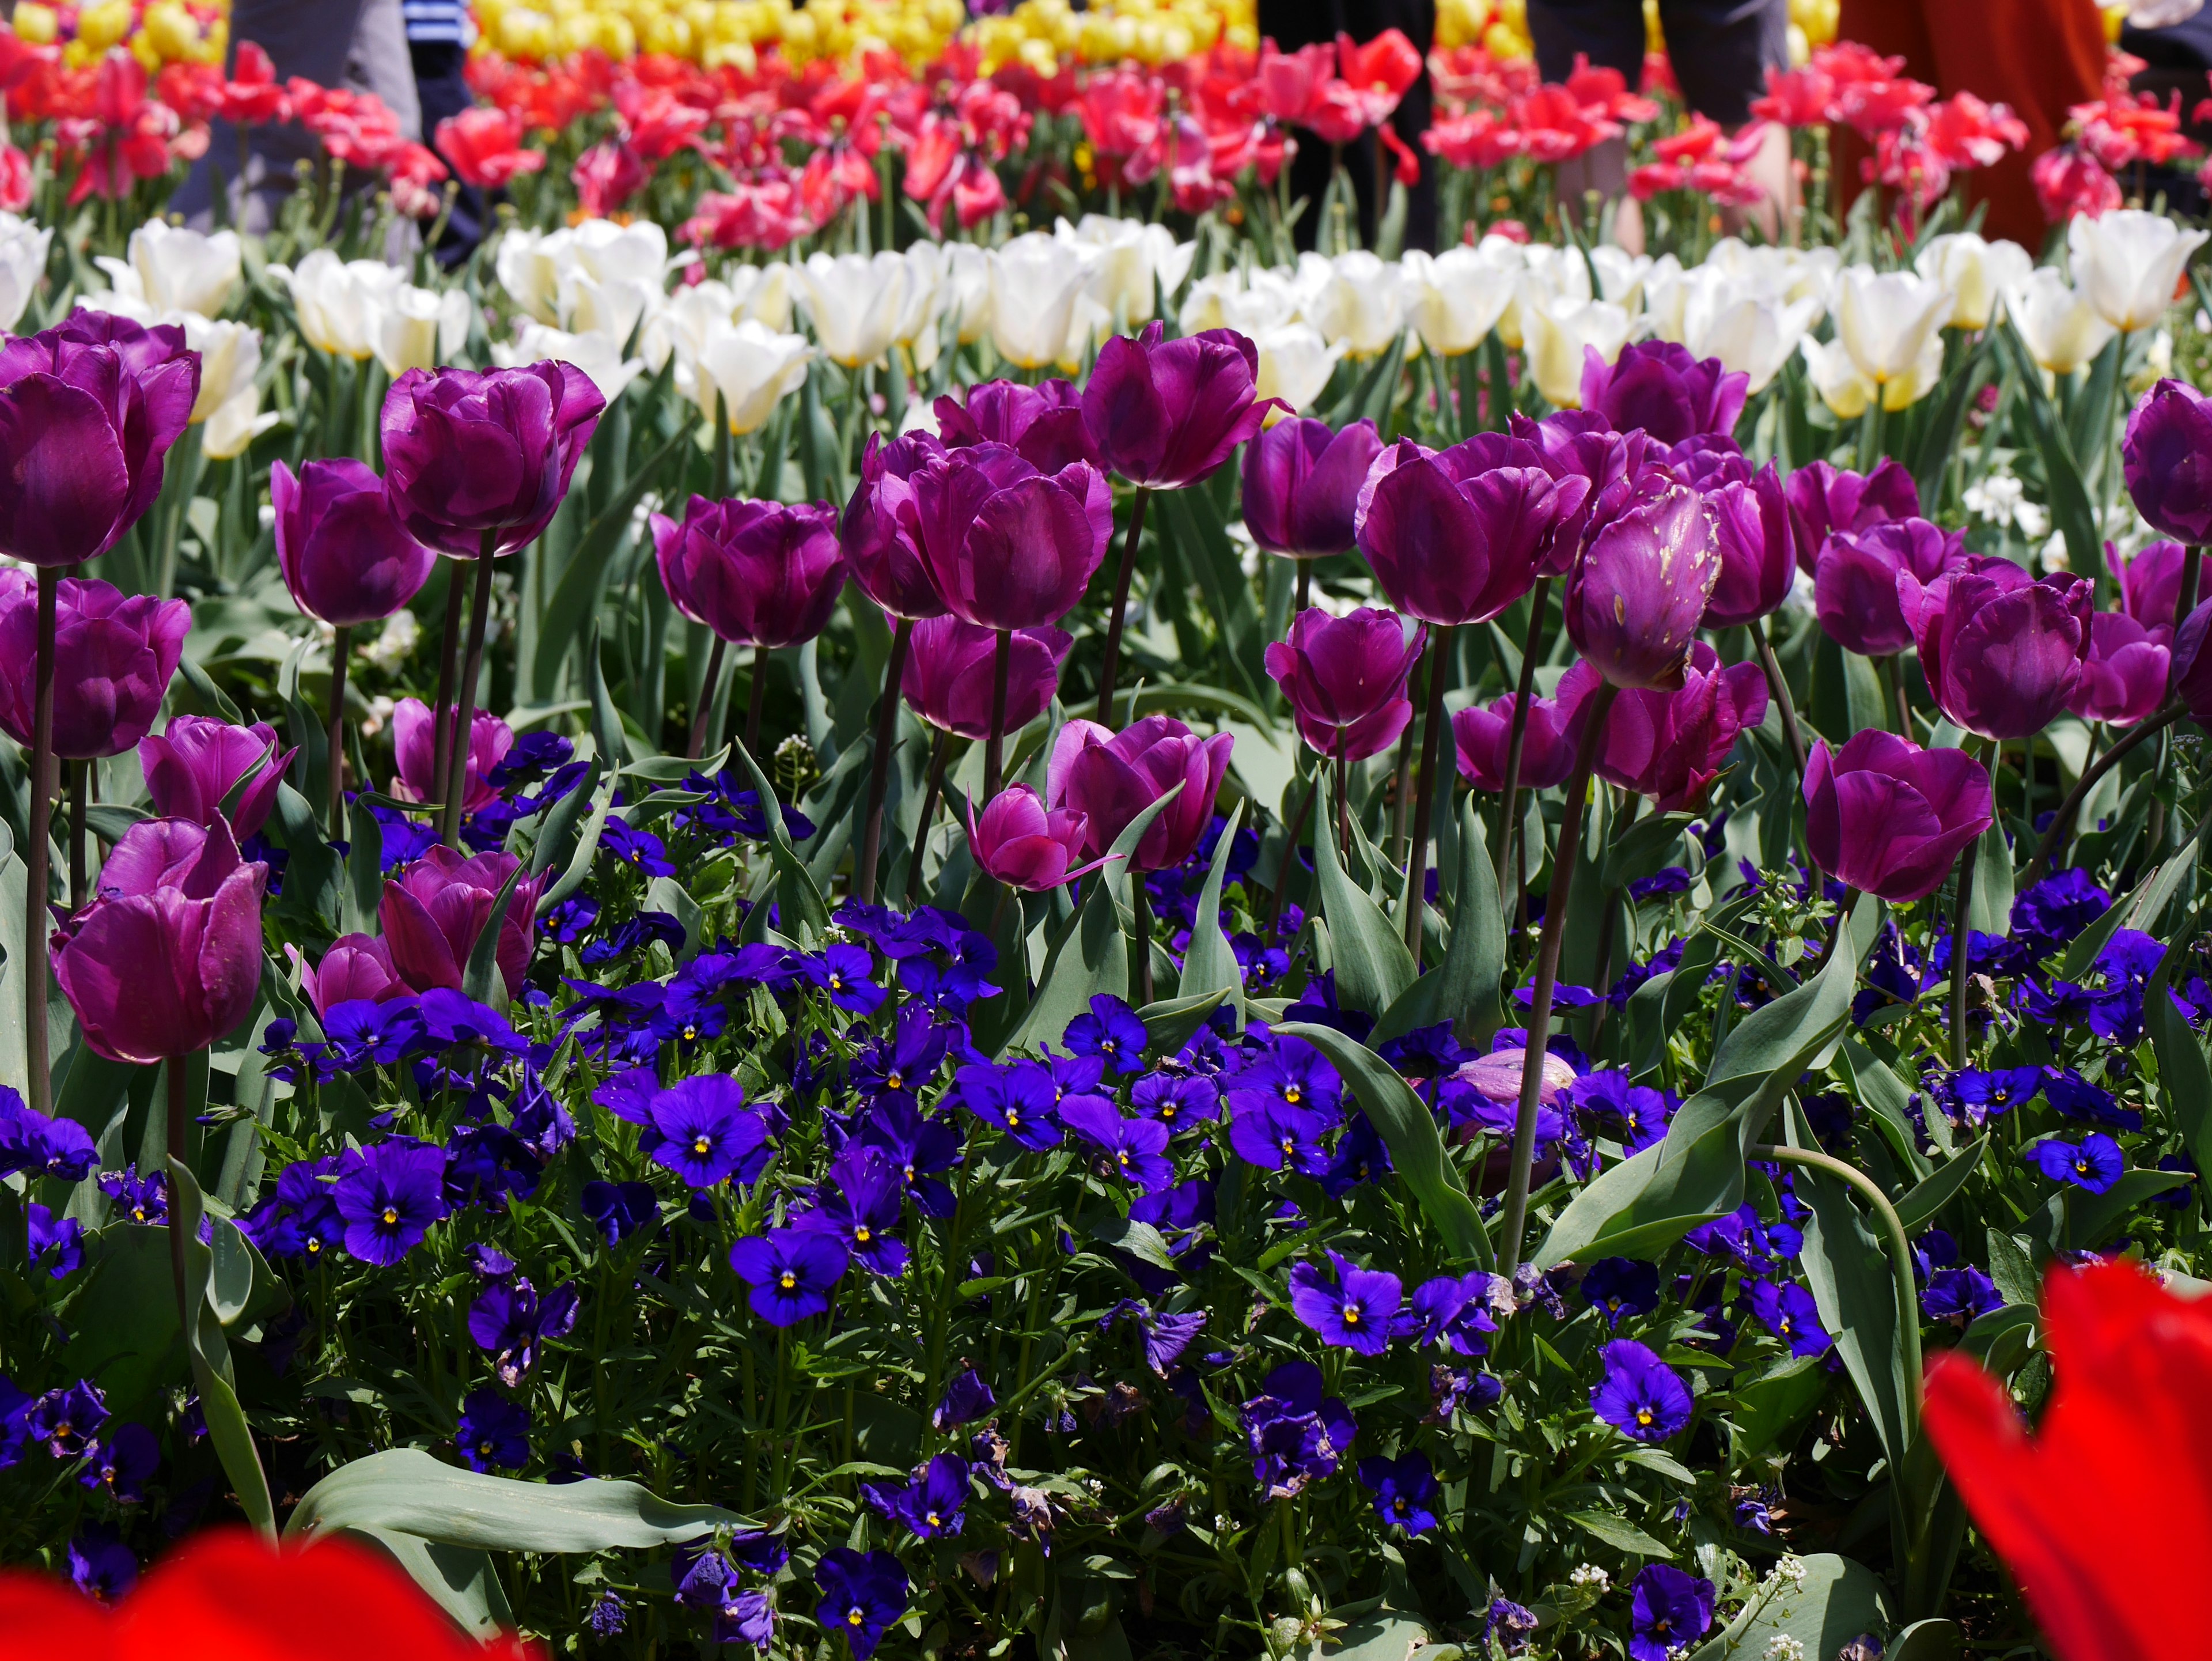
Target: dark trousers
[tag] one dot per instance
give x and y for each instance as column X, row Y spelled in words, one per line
column 1719, row 50
column 444, row 92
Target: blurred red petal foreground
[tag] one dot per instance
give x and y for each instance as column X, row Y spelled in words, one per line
column 2104, row 1514
column 227, row 1596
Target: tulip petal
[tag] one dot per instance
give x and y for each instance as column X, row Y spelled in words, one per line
column 66, row 484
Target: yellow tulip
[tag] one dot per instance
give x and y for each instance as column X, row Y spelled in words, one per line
column 170, row 30
column 99, row 27
column 36, row 24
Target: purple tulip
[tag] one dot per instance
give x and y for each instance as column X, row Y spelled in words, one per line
column 1750, row 531
column 1669, row 745
column 1019, row 842
column 88, row 412
column 1166, row 413
column 1859, row 575
column 2150, row 585
column 344, row 554
column 1661, row 388
column 1825, row 499
column 356, row 969
column 1888, row 817
column 1603, row 469
column 434, row 909
column 471, row 455
column 1482, row 736
column 2193, row 665
column 1042, row 424
column 1705, row 461
column 1111, row 778
column 2124, row 677
column 2165, row 457
column 1302, row 485
column 756, row 573
column 169, row 959
column 194, row 766
column 949, row 664
column 1346, row 678
column 2002, row 651
column 1634, row 600
column 1008, row 546
column 489, row 740
column 1459, row 536
column 878, row 530
column 114, row 657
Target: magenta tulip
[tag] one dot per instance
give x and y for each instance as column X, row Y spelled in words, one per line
column 1111, row 778
column 1660, row 387
column 1670, row 745
column 2124, row 677
column 2192, row 664
column 167, row 958
column 878, row 530
column 1459, row 536
column 1823, row 500
column 192, row 767
column 1042, row 424
column 1165, row 413
column 1019, row 842
column 1008, row 546
column 756, row 573
column 1859, row 575
column 434, row 909
column 948, row 666
column 1887, row 818
column 470, row 456
column 2150, row 584
column 1635, row 599
column 344, row 554
column 113, row 658
column 1482, row 735
column 2002, row 651
column 2165, row 457
column 1600, row 468
column 1751, row 533
column 1345, row 678
column 489, row 740
column 1302, row 485
column 356, row 969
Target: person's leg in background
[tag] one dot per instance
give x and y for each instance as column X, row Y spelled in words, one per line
column 1292, row 24
column 1719, row 52
column 1417, row 19
column 437, row 41
column 1610, row 33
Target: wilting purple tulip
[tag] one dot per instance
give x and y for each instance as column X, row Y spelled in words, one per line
column 2192, row 664
column 1670, row 745
column 756, row 573
column 1663, row 389
column 1888, row 817
column 1302, row 485
column 434, row 909
column 1017, row 842
column 169, row 959
column 113, row 658
column 344, row 554
column 1858, row 577
column 1601, row 468
column 1346, row 678
column 2149, row 584
column 1111, row 778
column 2165, row 457
column 88, row 409
column 1751, row 531
column 489, row 740
column 1482, row 736
column 878, row 532
column 1008, row 546
column 357, row 968
column 2002, row 651
column 1043, row 424
column 1166, row 413
column 471, row 454
column 1459, row 536
column 1634, row 600
column 197, row 763
column 1825, row 499
column 949, row 669
column 2124, row 677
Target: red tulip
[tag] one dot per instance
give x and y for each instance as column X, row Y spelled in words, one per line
column 485, row 147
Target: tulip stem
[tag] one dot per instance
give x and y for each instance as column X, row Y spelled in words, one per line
column 931, row 791
column 465, row 708
column 2184, row 598
column 1121, row 581
column 1417, row 853
column 879, row 764
column 78, row 770
column 1141, row 928
column 1302, row 596
column 174, row 1071
column 441, row 725
column 754, row 698
column 341, row 649
column 2061, row 822
column 1792, row 733
column 35, row 857
column 994, row 742
column 705, row 711
column 1343, row 802
column 1896, row 664
column 1516, row 735
column 1959, row 954
column 1291, row 853
column 1547, row 974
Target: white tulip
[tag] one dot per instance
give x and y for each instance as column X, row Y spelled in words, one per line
column 1272, row 298
column 1667, row 290
column 1207, row 306
column 1295, row 364
column 229, row 404
column 752, row 367
column 1547, row 275
column 2061, row 329
column 23, row 248
column 1556, row 333
column 1363, row 304
column 1455, row 298
column 683, row 325
column 853, row 301
column 926, row 291
column 528, row 266
column 418, row 328
column 610, row 305
column 182, row 270
column 598, row 355
column 1620, row 276
column 1747, row 332
column 1886, row 322
column 338, row 302
column 2126, row 263
column 1789, row 274
column 1977, row 273
column 969, row 296
column 764, row 294
column 1849, row 390
column 1035, row 280
column 1136, row 264
column 1089, row 324
column 635, row 252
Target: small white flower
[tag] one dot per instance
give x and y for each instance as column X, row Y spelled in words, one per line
column 2054, row 556
column 393, row 642
column 1783, row 1647
column 1591, row 1575
column 1792, row 1569
column 2033, row 519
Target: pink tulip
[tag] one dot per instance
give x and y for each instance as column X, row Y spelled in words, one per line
column 434, row 909
column 1111, row 778
column 2124, row 677
column 1019, row 843
column 192, row 767
column 356, row 969
column 489, row 740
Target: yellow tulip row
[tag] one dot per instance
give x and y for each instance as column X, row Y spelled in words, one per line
column 166, row 31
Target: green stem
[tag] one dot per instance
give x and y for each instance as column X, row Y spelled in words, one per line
column 1509, row 829
column 879, row 764
column 2061, row 822
column 1122, row 581
column 1417, row 854
column 464, row 708
column 35, row 860
column 341, row 646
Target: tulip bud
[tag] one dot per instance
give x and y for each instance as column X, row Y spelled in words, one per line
column 1482, row 737
column 2166, row 460
column 169, row 959
column 853, row 301
column 2002, row 652
column 1459, row 536
column 114, row 657
column 1166, row 413
column 1346, row 678
column 344, row 554
column 756, row 573
column 2149, row 583
column 949, row 665
column 356, row 969
column 413, row 744
column 1750, row 534
column 1658, row 387
column 192, row 767
column 434, row 909
column 1111, row 778
column 1302, row 485
column 1008, row 546
column 1859, row 578
column 1018, row 843
column 2123, row 676
column 1669, row 745
column 469, row 456
column 1043, row 424
column 1633, row 603
column 1887, row 818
